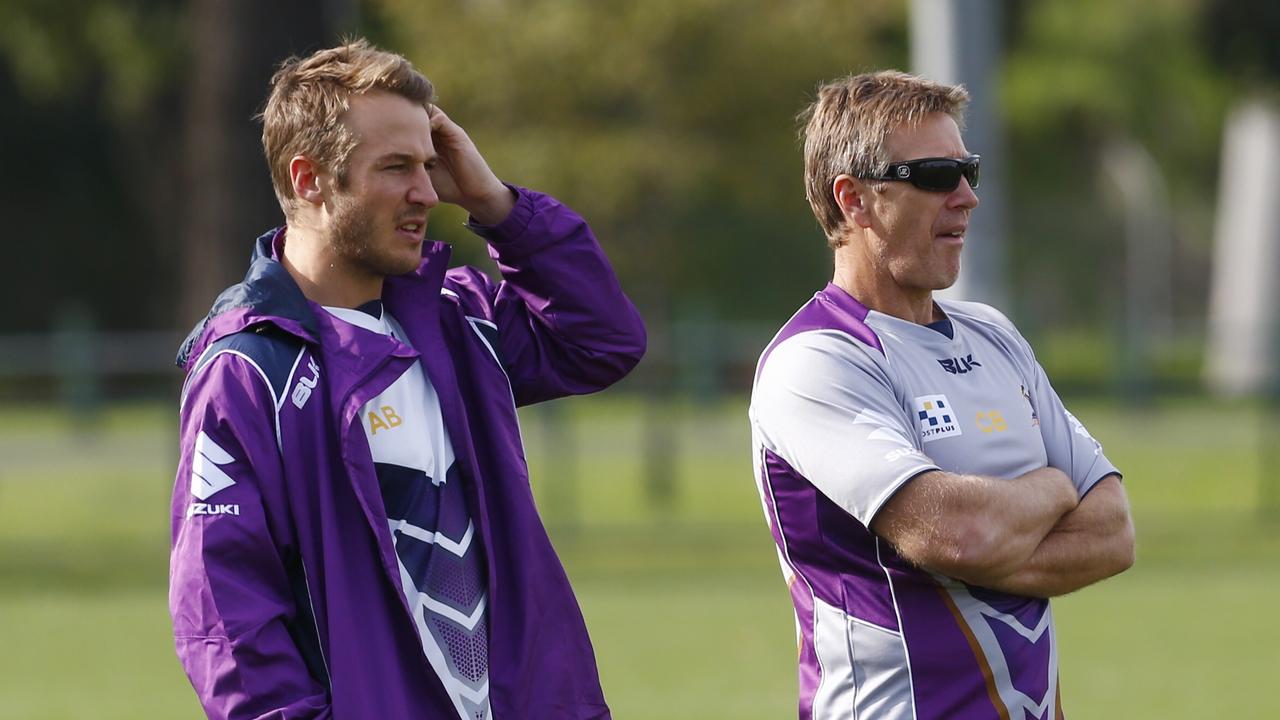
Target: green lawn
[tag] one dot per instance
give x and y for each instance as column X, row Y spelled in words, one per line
column 683, row 596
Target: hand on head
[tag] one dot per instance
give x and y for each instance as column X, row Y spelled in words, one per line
column 462, row 177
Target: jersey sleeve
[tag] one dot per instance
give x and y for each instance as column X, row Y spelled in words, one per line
column 1067, row 443
column 229, row 592
column 827, row 409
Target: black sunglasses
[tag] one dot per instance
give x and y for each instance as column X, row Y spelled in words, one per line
column 937, row 174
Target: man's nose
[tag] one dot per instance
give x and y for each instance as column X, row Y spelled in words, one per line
column 421, row 191
column 963, row 197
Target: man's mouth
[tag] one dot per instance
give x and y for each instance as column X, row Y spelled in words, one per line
column 415, row 228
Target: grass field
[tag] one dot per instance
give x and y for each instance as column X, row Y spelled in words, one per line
column 684, row 597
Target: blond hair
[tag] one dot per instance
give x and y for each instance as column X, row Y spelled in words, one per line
column 844, row 131
column 308, row 98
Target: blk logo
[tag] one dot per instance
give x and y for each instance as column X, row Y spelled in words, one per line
column 959, row 366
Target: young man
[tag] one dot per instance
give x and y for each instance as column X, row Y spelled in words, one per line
column 926, row 488
column 353, row 530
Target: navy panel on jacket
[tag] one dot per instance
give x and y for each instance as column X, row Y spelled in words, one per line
column 274, row 352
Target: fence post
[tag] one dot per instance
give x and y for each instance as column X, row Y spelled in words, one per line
column 659, row 440
column 560, row 448
column 75, row 351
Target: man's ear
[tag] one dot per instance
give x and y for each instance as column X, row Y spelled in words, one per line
column 853, row 197
column 305, row 176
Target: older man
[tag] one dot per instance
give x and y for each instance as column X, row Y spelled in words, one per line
column 925, row 486
column 354, row 534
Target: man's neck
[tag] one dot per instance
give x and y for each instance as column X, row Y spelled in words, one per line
column 878, row 291
column 323, row 276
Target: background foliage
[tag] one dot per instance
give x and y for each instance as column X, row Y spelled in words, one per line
column 669, row 123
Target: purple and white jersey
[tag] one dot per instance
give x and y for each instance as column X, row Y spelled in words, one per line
column 849, row 405
column 443, row 572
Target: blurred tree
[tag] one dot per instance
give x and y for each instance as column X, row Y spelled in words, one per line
column 1083, row 76
column 668, row 123
column 1242, row 37
column 56, row 50
column 90, row 149
column 140, row 177
column 237, row 44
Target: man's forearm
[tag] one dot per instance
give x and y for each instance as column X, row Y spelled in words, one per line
column 561, row 313
column 1089, row 544
column 974, row 528
column 1016, row 521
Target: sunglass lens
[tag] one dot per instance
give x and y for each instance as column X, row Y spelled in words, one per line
column 972, row 172
column 939, row 175
column 943, row 175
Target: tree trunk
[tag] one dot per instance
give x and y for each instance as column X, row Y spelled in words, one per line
column 227, row 195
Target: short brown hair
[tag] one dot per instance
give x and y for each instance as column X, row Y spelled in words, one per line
column 845, row 130
column 309, row 95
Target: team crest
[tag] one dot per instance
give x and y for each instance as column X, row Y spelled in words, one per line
column 1035, row 418
column 937, row 419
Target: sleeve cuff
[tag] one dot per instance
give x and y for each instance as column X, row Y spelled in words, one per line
column 516, row 222
column 893, row 488
column 1089, row 486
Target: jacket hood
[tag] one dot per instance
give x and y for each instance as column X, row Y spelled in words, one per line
column 268, row 294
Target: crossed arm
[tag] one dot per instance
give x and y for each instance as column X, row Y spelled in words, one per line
column 1090, row 543
column 1029, row 536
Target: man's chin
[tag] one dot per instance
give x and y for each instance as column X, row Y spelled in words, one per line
column 393, row 266
column 405, row 267
column 947, row 277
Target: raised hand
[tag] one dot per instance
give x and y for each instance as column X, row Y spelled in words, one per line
column 462, row 177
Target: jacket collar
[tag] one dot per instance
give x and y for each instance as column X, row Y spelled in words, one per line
column 269, row 294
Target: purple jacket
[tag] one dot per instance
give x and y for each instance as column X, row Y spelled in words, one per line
column 284, row 587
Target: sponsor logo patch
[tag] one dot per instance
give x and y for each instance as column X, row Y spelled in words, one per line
column 199, row 508
column 990, row 421
column 959, row 366
column 385, row 418
column 1078, row 428
column 302, row 391
column 902, row 453
column 207, row 477
column 937, row 419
